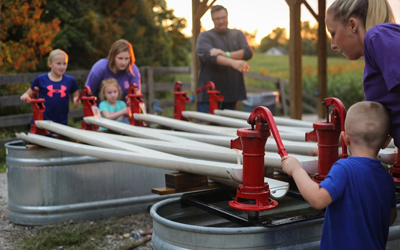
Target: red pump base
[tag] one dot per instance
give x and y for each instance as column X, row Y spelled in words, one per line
column 257, row 199
column 38, row 131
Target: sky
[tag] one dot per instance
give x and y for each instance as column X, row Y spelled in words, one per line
column 256, row 15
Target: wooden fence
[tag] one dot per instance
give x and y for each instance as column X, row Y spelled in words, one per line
column 149, row 88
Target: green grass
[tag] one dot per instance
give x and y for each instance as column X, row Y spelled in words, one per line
column 279, row 65
column 48, row 239
column 344, row 77
column 3, row 165
column 68, row 236
column 83, row 235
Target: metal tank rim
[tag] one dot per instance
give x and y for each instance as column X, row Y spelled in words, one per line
column 226, row 230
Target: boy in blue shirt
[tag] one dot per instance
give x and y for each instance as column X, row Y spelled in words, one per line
column 358, row 193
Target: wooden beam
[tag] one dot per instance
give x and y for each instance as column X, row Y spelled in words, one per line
column 195, row 62
column 167, row 190
column 180, row 180
column 295, row 66
column 311, row 10
column 199, row 8
column 150, row 88
column 322, row 59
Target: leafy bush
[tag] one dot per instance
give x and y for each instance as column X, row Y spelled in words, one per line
column 344, row 82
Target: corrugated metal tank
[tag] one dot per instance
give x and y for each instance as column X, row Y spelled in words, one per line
column 47, row 186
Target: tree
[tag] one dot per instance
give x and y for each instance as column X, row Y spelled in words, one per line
column 309, row 32
column 25, row 39
column 251, row 38
column 277, row 38
column 87, row 29
column 83, row 31
column 155, row 33
column 309, row 35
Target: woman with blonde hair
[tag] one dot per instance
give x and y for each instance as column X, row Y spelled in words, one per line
column 366, row 28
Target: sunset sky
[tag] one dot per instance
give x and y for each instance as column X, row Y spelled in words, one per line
column 256, row 15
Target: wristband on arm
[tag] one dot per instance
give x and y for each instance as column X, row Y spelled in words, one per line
column 228, row 54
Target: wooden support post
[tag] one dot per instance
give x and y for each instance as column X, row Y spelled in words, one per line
column 150, row 88
column 195, row 33
column 322, row 59
column 283, row 97
column 199, row 8
column 295, row 48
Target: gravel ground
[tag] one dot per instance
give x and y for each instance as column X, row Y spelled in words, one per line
column 11, row 234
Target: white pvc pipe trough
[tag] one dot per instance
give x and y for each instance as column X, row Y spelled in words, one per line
column 184, row 125
column 221, row 170
column 293, row 143
column 278, row 120
column 202, row 129
column 238, row 123
column 172, row 136
column 97, row 140
column 191, row 148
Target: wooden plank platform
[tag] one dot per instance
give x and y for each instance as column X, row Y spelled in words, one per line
column 167, row 190
column 179, row 182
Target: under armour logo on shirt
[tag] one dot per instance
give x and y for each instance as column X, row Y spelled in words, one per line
column 51, row 90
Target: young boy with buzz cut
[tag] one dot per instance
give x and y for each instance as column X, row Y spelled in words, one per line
column 358, row 193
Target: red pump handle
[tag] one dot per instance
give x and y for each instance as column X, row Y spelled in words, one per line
column 132, row 88
column 209, row 84
column 261, row 115
column 35, row 94
column 86, row 91
column 178, row 86
column 341, row 111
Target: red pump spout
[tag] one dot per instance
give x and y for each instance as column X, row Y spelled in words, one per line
column 214, row 95
column 38, row 109
column 180, row 100
column 134, row 102
column 254, row 193
column 327, row 134
column 89, row 102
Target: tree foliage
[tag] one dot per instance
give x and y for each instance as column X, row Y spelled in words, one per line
column 251, row 38
column 86, row 31
column 25, row 39
column 277, row 38
column 309, row 36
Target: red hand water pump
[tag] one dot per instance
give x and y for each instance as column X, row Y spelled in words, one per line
column 89, row 101
column 254, row 194
column 180, row 100
column 214, row 95
column 326, row 134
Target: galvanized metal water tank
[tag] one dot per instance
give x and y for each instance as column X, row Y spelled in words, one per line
column 47, row 186
column 181, row 227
